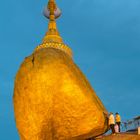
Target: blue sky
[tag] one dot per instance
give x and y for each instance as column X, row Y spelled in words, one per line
column 104, row 36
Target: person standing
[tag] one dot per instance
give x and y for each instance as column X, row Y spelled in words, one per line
column 118, row 120
column 112, row 122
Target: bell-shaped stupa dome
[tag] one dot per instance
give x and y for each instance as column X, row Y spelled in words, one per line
column 52, row 98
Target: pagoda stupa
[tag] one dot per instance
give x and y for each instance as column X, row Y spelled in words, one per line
column 52, row 98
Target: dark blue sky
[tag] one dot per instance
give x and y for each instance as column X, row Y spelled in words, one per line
column 104, row 36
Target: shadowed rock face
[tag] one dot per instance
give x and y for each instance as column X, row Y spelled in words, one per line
column 54, row 101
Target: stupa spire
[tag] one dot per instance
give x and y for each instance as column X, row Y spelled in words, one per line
column 52, row 37
column 52, row 12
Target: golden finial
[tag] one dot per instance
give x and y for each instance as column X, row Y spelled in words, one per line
column 52, row 12
column 52, row 8
column 52, row 37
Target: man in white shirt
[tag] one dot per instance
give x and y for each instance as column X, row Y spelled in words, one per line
column 112, row 122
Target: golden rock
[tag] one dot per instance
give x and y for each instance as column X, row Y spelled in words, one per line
column 52, row 98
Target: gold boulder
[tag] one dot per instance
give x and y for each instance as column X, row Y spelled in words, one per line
column 54, row 101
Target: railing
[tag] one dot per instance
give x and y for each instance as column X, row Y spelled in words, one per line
column 131, row 125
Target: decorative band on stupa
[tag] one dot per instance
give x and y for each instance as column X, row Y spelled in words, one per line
column 52, row 38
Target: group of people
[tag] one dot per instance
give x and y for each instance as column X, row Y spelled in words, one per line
column 114, row 122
